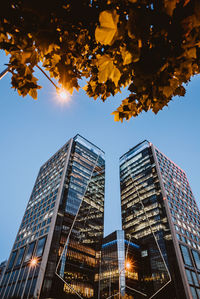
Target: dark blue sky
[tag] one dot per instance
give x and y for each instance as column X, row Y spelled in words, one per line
column 31, row 131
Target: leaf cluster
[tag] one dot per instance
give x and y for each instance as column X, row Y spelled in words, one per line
column 151, row 47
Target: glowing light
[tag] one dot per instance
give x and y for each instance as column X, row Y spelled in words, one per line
column 128, row 265
column 63, row 96
column 33, row 262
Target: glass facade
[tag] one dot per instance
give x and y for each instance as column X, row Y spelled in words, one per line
column 62, row 228
column 159, row 210
column 114, row 274
column 112, row 271
column 185, row 218
column 82, row 228
column 66, row 204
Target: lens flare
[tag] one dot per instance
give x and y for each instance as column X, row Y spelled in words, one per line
column 63, row 96
column 128, row 265
column 33, row 262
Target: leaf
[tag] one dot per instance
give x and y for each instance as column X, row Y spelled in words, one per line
column 151, row 46
column 107, row 70
column 55, row 59
column 25, row 56
column 116, row 115
column 126, row 56
column 167, row 91
column 33, row 93
column 107, row 30
column 170, row 5
column 191, row 53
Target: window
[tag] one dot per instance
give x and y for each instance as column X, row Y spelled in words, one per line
column 144, row 253
column 40, row 246
column 186, row 255
column 198, row 292
column 12, row 259
column 20, row 256
column 189, row 277
column 196, row 259
column 194, row 295
column 29, row 252
column 195, row 278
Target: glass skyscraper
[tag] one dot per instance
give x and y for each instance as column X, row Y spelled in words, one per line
column 111, row 272
column 159, row 210
column 62, row 228
column 114, row 276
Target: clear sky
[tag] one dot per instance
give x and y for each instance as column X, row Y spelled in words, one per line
column 31, row 131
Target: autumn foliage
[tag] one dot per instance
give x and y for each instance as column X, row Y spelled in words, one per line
column 151, row 47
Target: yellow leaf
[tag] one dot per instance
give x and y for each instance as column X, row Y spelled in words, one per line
column 167, row 91
column 191, row 53
column 116, row 115
column 55, row 59
column 25, row 55
column 107, row 70
column 27, row 71
column 170, row 5
column 85, row 87
column 51, row 47
column 3, row 37
column 115, row 75
column 33, row 93
column 105, row 64
column 107, row 30
column 126, row 56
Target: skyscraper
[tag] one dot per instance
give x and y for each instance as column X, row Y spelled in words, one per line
column 120, row 267
column 62, row 228
column 111, row 272
column 60, row 252
column 159, row 210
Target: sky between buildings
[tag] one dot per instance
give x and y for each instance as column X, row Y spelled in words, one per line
column 31, row 131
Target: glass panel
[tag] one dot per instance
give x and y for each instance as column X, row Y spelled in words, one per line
column 195, row 278
column 194, row 295
column 40, row 246
column 196, row 258
column 29, row 252
column 189, row 277
column 12, row 259
column 186, row 255
column 33, row 286
column 20, row 256
column 83, row 222
column 198, row 292
column 27, row 287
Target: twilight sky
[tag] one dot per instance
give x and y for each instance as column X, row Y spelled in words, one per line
column 31, row 131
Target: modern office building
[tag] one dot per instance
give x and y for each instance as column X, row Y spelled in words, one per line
column 2, row 269
column 114, row 274
column 60, row 252
column 159, row 210
column 62, row 228
column 111, row 271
